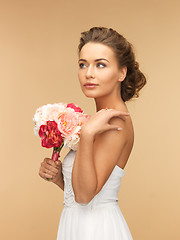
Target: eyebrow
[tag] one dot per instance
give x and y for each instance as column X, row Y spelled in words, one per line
column 99, row 59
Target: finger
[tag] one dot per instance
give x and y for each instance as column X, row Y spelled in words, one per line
column 50, row 162
column 45, row 175
column 55, row 167
column 116, row 128
column 54, row 170
column 49, row 169
column 125, row 113
column 116, row 114
column 58, row 163
column 122, row 115
column 52, row 165
column 48, row 174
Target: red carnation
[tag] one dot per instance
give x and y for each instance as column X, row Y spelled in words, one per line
column 50, row 135
column 73, row 106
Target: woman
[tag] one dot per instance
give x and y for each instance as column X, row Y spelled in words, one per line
column 91, row 176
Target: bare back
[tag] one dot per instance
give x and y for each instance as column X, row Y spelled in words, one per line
column 128, row 148
column 130, row 140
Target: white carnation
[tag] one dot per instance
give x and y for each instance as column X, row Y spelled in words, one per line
column 72, row 141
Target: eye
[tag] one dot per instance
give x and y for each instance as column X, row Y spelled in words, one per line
column 102, row 64
column 81, row 65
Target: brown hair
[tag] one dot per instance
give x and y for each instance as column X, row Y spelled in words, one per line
column 135, row 79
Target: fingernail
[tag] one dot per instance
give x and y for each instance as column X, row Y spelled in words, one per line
column 119, row 128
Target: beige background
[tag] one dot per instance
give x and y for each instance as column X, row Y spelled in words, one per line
column 38, row 62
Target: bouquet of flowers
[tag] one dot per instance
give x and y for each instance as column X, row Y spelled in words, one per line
column 59, row 125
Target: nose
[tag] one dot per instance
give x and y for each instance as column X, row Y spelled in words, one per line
column 90, row 72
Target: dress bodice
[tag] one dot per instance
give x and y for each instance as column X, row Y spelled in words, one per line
column 108, row 193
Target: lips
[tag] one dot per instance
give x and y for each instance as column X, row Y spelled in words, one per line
column 90, row 84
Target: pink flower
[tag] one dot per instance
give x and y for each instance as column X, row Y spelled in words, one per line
column 50, row 135
column 75, row 107
column 82, row 118
column 51, row 110
column 67, row 122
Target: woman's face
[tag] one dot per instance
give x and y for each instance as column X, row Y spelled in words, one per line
column 98, row 65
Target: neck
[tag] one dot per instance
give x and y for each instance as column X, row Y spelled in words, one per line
column 112, row 100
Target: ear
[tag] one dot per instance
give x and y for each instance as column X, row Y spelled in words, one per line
column 123, row 73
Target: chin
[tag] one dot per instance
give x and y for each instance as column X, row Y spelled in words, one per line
column 90, row 95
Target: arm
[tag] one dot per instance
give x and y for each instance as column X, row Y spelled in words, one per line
column 84, row 179
column 95, row 160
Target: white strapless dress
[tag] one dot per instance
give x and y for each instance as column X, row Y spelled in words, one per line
column 101, row 218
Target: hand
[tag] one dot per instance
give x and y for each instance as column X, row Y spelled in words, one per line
column 98, row 123
column 51, row 169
